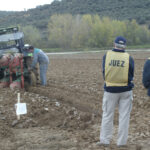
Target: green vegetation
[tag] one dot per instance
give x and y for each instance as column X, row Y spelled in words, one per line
column 32, row 35
column 145, row 46
column 80, row 31
column 115, row 9
column 137, row 47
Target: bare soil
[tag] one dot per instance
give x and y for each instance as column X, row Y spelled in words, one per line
column 66, row 114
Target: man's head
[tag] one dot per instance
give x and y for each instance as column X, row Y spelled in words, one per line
column 31, row 48
column 120, row 42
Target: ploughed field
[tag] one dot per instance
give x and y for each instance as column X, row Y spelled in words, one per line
column 66, row 114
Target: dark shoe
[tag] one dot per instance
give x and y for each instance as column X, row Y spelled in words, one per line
column 102, row 144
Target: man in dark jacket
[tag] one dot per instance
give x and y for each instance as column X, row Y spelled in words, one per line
column 146, row 76
column 118, row 72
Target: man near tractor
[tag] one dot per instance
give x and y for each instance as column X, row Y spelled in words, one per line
column 40, row 57
column 118, row 72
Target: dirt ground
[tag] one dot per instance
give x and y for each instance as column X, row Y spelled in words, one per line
column 66, row 114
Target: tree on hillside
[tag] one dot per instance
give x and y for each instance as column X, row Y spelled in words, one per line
column 32, row 35
column 79, row 31
column 60, row 30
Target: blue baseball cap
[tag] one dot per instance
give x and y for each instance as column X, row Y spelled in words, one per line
column 120, row 40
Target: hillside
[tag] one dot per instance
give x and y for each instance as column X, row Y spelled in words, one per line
column 117, row 9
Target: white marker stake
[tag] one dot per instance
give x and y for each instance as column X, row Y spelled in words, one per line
column 18, row 116
column 21, row 108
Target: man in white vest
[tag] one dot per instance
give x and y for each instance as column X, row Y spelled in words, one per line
column 118, row 72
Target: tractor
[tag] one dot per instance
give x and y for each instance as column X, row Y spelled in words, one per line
column 15, row 60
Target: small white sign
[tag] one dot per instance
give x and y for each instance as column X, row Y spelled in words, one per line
column 21, row 108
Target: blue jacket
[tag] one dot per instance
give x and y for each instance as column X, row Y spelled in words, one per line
column 39, row 57
column 146, row 76
column 115, row 89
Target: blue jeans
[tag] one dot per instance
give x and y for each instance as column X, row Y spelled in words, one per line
column 43, row 71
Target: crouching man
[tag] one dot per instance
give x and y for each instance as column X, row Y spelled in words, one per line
column 40, row 57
